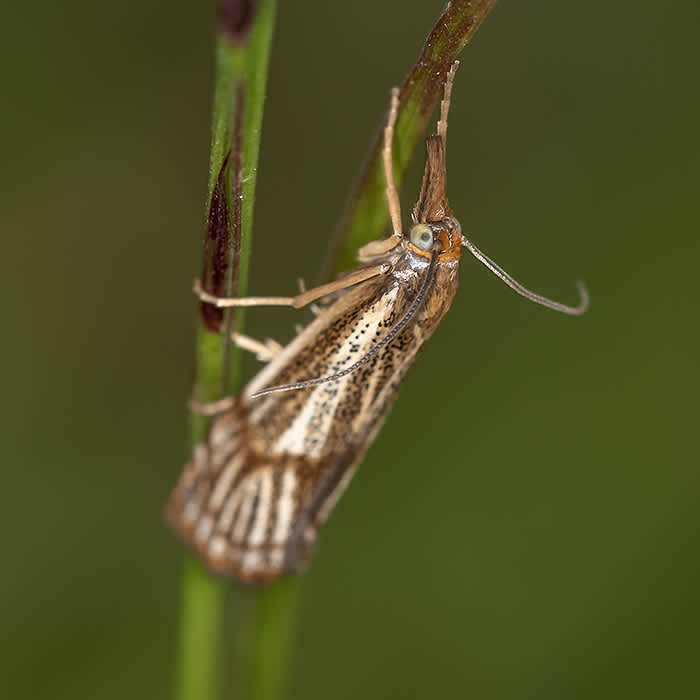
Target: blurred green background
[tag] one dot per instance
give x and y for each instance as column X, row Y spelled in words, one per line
column 525, row 526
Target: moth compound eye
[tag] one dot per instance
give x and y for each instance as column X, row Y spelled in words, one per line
column 422, row 236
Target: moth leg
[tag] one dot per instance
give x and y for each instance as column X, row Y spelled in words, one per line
column 314, row 308
column 377, row 249
column 211, row 408
column 264, row 351
column 392, row 194
column 354, row 277
column 445, row 104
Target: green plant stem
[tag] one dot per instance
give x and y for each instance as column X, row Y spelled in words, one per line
column 266, row 643
column 198, row 671
column 242, row 56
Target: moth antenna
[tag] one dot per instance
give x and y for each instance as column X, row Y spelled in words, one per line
column 445, row 104
column 415, row 305
column 524, row 291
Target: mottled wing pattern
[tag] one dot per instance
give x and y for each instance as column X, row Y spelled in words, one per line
column 253, row 498
column 253, row 515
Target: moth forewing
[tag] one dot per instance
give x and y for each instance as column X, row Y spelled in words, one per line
column 273, row 467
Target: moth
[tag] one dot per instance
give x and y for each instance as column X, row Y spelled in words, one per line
column 255, row 495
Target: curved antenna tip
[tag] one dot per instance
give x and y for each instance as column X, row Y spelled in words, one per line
column 524, row 291
column 584, row 298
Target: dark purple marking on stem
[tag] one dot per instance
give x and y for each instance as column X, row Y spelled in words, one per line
column 222, row 244
column 236, row 193
column 216, row 246
column 236, row 18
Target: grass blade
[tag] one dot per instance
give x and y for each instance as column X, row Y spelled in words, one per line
column 365, row 216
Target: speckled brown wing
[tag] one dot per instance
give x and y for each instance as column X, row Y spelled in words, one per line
column 252, row 499
column 254, row 515
column 253, row 496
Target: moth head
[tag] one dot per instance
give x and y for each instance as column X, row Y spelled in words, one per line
column 433, row 223
column 444, row 235
column 434, row 228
